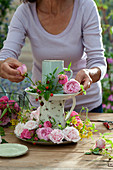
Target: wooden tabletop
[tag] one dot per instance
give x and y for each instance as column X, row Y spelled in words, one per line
column 69, row 156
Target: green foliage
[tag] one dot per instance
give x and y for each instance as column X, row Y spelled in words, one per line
column 5, row 8
column 105, row 8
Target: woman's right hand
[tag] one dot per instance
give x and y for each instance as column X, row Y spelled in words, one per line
column 8, row 70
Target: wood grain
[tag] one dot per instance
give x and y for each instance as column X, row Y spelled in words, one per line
column 69, row 156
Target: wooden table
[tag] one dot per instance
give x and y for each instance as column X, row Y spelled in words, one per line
column 69, row 156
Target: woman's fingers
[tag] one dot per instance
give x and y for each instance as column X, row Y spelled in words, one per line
column 8, row 70
column 84, row 78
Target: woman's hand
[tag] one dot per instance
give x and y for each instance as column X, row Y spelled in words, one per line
column 8, row 70
column 88, row 76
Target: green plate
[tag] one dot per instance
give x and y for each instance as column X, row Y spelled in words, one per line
column 12, row 150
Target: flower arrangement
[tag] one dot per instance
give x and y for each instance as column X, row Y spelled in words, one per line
column 49, row 88
column 30, row 128
column 8, row 110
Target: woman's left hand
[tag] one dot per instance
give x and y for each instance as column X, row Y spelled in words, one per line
column 84, row 78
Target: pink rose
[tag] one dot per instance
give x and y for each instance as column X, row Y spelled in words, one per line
column 62, row 79
column 31, row 124
column 19, row 129
column 100, row 143
column 38, row 91
column 110, row 60
column 35, row 114
column 110, row 98
column 43, row 133
column 27, row 134
column 47, row 124
column 73, row 113
column 72, row 86
column 22, row 69
column 71, row 134
column 5, row 120
column 56, row 136
column 4, row 99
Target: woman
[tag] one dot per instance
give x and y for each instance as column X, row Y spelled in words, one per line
column 66, row 30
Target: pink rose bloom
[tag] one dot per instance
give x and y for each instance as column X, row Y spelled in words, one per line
column 112, row 88
column 38, row 91
column 0, row 139
column 4, row 99
column 71, row 134
column 108, row 106
column 110, row 98
column 43, row 133
column 106, row 75
column 31, row 124
column 27, row 134
column 110, row 60
column 73, row 113
column 56, row 136
column 103, row 106
column 22, row 69
column 100, row 143
column 5, row 120
column 35, row 114
column 47, row 124
column 62, row 79
column 19, row 129
column 72, row 86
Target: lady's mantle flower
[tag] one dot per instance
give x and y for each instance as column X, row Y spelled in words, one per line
column 71, row 134
column 22, row 69
column 56, row 136
column 72, row 86
column 100, row 143
column 19, row 129
column 43, row 133
column 31, row 124
column 62, row 79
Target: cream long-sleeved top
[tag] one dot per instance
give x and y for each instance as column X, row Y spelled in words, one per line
column 80, row 43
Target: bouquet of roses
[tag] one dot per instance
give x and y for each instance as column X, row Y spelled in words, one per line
column 8, row 110
column 30, row 128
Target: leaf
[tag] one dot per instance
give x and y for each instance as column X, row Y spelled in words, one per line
column 62, row 72
column 82, row 87
column 46, row 95
column 4, row 141
column 55, row 70
column 69, row 66
column 88, row 153
column 2, row 132
column 3, row 113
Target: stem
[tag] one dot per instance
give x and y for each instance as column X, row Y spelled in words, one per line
column 26, row 75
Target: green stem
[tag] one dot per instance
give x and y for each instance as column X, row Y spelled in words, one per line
column 26, row 75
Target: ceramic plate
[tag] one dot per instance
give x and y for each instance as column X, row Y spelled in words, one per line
column 46, row 143
column 12, row 150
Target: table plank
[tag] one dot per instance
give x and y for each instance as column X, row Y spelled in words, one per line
column 68, row 156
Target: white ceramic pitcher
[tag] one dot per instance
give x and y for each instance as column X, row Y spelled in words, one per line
column 54, row 108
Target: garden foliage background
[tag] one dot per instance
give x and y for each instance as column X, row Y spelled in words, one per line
column 105, row 8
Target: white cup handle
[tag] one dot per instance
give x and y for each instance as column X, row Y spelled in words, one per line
column 70, row 75
column 72, row 108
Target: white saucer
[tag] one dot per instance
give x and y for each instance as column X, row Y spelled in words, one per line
column 12, row 150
